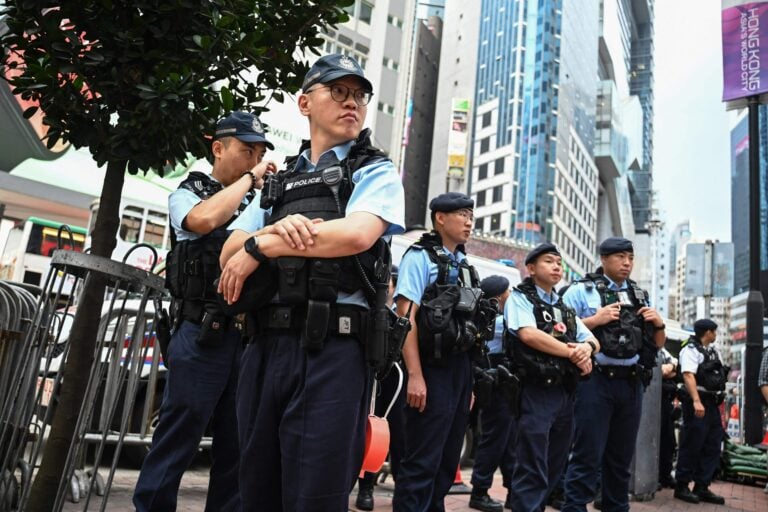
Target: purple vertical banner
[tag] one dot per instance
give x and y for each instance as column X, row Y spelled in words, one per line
column 745, row 48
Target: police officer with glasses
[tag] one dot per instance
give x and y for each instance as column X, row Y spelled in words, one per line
column 495, row 448
column 440, row 291
column 305, row 390
column 608, row 405
column 704, row 377
column 551, row 349
column 204, row 351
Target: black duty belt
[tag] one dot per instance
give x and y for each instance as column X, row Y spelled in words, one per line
column 631, row 372
column 346, row 320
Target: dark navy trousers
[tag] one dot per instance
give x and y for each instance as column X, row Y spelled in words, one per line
column 542, row 440
column 700, row 440
column 607, row 417
column 200, row 388
column 496, row 446
column 667, row 442
column 433, row 438
column 302, row 419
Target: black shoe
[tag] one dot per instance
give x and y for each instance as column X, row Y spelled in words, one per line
column 479, row 500
column 668, row 483
column 683, row 493
column 704, row 494
column 364, row 499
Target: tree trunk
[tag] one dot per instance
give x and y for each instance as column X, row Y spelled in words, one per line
column 82, row 346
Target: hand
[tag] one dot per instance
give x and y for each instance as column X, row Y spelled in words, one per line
column 608, row 313
column 651, row 315
column 297, row 230
column 417, row 392
column 698, row 409
column 261, row 169
column 234, row 274
column 580, row 353
column 585, row 367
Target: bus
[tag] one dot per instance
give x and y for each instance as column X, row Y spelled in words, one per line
column 140, row 222
column 26, row 257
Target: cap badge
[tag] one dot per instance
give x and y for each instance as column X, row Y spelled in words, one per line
column 256, row 126
column 347, row 63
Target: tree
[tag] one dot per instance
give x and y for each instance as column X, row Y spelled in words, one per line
column 139, row 82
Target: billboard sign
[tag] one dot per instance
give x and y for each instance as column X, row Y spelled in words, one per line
column 745, row 41
column 458, row 138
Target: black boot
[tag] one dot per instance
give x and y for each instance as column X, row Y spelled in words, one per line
column 683, row 493
column 704, row 494
column 479, row 500
column 364, row 499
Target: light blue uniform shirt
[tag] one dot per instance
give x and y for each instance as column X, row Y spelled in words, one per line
column 496, row 346
column 377, row 190
column 518, row 311
column 586, row 302
column 416, row 272
column 180, row 203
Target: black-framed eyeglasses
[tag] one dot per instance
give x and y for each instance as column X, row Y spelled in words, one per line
column 340, row 93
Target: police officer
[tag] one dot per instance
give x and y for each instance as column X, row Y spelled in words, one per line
column 704, row 377
column 608, row 405
column 390, row 397
column 204, row 351
column 304, row 396
column 551, row 348
column 667, row 441
column 434, row 275
column 495, row 449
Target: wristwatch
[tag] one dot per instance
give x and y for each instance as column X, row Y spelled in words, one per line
column 251, row 246
column 592, row 344
column 660, row 328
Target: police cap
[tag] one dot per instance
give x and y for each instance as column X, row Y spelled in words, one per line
column 544, row 248
column 615, row 244
column 243, row 126
column 451, row 201
column 493, row 286
column 703, row 325
column 332, row 67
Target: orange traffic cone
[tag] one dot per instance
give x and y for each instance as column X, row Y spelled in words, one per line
column 459, row 487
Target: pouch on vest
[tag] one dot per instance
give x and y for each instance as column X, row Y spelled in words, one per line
column 324, row 279
column 292, row 280
column 438, row 329
column 212, row 326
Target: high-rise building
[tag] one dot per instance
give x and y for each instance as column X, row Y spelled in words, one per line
column 425, row 9
column 678, row 239
column 740, row 201
column 532, row 170
column 420, row 119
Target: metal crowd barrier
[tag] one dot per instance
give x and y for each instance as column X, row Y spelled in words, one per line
column 124, row 385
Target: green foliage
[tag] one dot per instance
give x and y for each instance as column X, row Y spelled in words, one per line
column 140, row 81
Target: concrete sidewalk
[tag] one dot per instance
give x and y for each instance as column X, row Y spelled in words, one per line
column 195, row 482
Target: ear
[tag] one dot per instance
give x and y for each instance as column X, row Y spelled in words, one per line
column 304, row 104
column 217, row 148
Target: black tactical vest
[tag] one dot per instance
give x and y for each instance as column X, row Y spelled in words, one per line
column 323, row 193
column 452, row 317
column 193, row 265
column 622, row 338
column 559, row 321
column 711, row 374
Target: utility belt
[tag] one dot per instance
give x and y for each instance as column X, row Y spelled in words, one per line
column 707, row 397
column 632, row 372
column 213, row 323
column 343, row 319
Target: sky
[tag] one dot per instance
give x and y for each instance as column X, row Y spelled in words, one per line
column 691, row 163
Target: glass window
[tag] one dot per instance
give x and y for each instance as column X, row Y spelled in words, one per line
column 366, row 12
column 479, row 223
column 482, row 172
column 495, row 222
column 497, row 193
column 498, row 166
column 485, row 145
column 487, row 119
column 480, row 201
